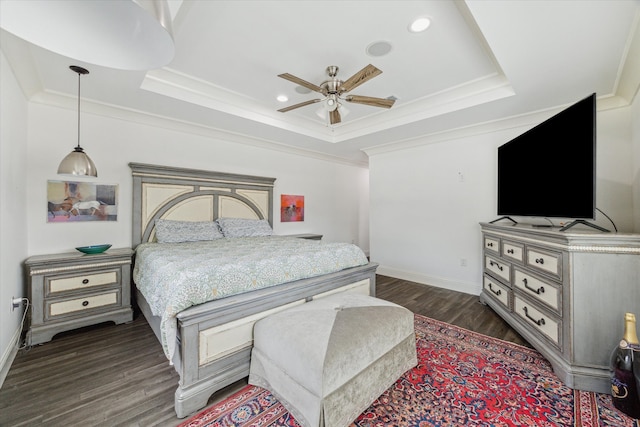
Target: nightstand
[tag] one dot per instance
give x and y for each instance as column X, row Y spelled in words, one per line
column 72, row 290
column 306, row 236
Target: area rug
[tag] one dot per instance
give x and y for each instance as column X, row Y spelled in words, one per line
column 462, row 379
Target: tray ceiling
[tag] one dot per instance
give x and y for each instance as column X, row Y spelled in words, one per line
column 478, row 62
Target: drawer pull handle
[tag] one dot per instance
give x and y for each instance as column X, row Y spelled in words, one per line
column 539, row 260
column 490, row 244
column 538, row 291
column 85, row 303
column 498, row 292
column 85, row 281
column 539, row 322
column 491, row 263
column 510, row 251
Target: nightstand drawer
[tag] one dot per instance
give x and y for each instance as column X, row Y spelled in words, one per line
column 62, row 284
column 58, row 308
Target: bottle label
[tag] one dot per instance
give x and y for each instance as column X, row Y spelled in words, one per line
column 619, row 389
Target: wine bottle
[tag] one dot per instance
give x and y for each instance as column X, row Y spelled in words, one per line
column 636, row 370
column 624, row 391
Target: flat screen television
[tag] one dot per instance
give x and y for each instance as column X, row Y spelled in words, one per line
column 550, row 170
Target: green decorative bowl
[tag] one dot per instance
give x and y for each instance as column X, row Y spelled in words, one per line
column 94, row 249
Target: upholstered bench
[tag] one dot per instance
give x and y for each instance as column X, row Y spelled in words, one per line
column 329, row 359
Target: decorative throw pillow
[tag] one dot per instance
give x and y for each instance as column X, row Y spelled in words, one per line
column 243, row 227
column 168, row 231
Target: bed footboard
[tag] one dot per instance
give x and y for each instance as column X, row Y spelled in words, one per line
column 215, row 339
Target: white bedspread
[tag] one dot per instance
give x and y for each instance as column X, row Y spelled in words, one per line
column 175, row 276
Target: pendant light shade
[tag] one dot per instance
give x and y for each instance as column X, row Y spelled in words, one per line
column 77, row 162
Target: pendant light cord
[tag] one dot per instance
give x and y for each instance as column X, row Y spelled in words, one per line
column 79, row 109
column 80, row 71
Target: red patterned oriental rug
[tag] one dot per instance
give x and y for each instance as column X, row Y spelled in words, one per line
column 462, row 379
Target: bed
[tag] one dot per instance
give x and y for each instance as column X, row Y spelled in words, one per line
column 211, row 345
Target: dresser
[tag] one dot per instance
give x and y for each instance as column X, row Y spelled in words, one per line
column 565, row 292
column 72, row 290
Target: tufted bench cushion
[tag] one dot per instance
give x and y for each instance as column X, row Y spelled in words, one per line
column 329, row 359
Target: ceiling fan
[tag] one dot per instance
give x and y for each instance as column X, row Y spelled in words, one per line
column 334, row 91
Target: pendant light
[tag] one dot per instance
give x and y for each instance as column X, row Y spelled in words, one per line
column 77, row 162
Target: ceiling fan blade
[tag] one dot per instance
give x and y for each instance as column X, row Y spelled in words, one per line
column 360, row 77
column 369, row 100
column 334, row 117
column 301, row 82
column 302, row 104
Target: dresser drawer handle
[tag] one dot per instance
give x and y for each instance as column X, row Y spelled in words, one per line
column 538, row 291
column 539, row 260
column 85, row 303
column 539, row 322
column 85, row 281
column 498, row 292
column 490, row 244
column 491, row 263
column 510, row 251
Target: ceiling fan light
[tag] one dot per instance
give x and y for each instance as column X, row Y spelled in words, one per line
column 343, row 110
column 331, row 103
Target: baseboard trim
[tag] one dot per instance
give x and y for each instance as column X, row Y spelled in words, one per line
column 9, row 355
column 440, row 282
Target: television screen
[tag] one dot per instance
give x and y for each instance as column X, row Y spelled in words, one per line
column 550, row 170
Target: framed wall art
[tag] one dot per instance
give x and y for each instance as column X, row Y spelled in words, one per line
column 291, row 208
column 69, row 201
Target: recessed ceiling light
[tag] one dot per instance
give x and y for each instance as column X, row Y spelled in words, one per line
column 282, row 98
column 420, row 24
column 380, row 48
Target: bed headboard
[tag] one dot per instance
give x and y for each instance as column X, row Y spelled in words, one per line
column 195, row 195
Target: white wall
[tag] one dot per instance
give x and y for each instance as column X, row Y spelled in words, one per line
column 635, row 155
column 615, row 165
column 13, row 201
column 334, row 193
column 426, row 201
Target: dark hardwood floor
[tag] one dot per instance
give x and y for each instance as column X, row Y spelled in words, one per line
column 117, row 375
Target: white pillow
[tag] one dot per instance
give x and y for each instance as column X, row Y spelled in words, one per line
column 243, row 227
column 168, row 231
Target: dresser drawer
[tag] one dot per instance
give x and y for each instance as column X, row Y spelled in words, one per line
column 547, row 261
column 56, row 308
column 538, row 289
column 57, row 284
column 498, row 291
column 513, row 251
column 547, row 325
column 492, row 244
column 499, row 268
